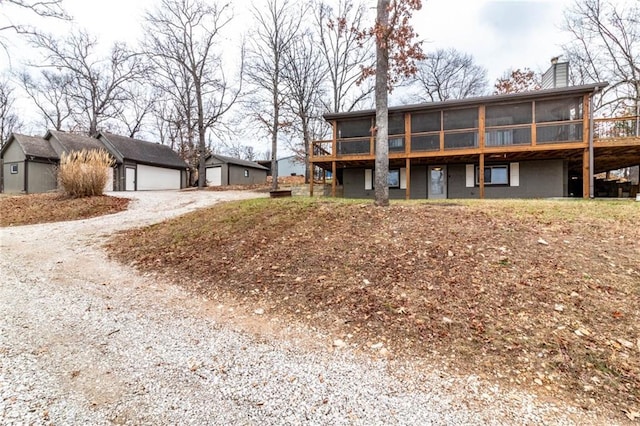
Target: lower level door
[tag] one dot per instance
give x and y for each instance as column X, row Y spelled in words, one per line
column 130, row 179
column 437, row 183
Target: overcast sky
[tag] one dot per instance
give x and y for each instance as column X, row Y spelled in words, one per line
column 500, row 34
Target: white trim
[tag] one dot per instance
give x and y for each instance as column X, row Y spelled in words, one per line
column 470, row 176
column 403, row 178
column 368, row 179
column 514, row 178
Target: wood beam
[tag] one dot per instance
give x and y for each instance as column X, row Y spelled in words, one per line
column 334, row 140
column 534, row 129
column 481, row 127
column 408, row 179
column 407, row 133
column 313, row 170
column 334, row 179
column 585, row 173
column 481, row 176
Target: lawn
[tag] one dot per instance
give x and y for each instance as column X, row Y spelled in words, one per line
column 537, row 294
column 40, row 208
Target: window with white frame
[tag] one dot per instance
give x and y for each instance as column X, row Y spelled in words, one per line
column 494, row 175
column 14, row 169
column 246, row 173
column 395, row 179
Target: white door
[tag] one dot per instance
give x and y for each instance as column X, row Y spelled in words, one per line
column 214, row 176
column 157, row 178
column 130, row 179
column 437, row 182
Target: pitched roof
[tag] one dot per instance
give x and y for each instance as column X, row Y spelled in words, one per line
column 142, row 151
column 73, row 141
column 33, row 145
column 238, row 162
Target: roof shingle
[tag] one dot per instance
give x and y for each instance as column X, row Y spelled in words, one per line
column 143, row 151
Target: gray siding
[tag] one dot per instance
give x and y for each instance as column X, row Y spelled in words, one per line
column 234, row 175
column 538, row 179
column 13, row 183
column 42, row 177
column 353, row 183
column 13, row 153
column 290, row 166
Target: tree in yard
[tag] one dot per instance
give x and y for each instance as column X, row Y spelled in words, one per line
column 50, row 94
column 276, row 30
column 396, row 56
column 517, row 81
column 9, row 121
column 605, row 46
column 304, row 75
column 345, row 52
column 43, row 8
column 449, row 74
column 184, row 43
column 97, row 91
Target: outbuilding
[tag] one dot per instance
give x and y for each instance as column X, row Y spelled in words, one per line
column 142, row 165
column 29, row 165
column 222, row 171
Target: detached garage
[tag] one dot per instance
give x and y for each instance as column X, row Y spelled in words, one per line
column 144, row 166
column 222, row 170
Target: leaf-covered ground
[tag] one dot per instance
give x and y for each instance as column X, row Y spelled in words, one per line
column 542, row 294
column 40, row 208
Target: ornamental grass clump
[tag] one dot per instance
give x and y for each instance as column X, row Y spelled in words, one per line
column 84, row 173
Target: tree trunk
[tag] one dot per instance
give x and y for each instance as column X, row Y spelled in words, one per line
column 274, row 140
column 382, row 109
column 201, row 137
column 307, row 142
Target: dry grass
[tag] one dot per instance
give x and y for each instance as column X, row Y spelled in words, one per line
column 41, row 208
column 84, row 173
column 541, row 294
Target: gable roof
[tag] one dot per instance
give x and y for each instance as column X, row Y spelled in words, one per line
column 32, row 146
column 237, row 161
column 72, row 141
column 125, row 148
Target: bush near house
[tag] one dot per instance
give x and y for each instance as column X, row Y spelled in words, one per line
column 84, row 173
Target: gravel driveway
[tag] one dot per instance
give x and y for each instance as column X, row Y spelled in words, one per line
column 84, row 340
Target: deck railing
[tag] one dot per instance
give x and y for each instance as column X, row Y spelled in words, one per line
column 616, row 128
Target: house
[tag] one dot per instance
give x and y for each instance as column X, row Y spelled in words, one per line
column 29, row 165
column 290, row 166
column 542, row 143
column 142, row 165
column 222, row 170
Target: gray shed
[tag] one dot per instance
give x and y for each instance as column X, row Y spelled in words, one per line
column 29, row 165
column 222, row 170
column 290, row 166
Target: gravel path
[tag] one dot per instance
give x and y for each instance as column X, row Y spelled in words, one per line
column 84, row 340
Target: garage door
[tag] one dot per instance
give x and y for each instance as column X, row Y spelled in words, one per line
column 214, row 176
column 154, row 178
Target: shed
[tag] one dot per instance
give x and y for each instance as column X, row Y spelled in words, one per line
column 222, row 170
column 29, row 165
column 142, row 165
column 290, row 166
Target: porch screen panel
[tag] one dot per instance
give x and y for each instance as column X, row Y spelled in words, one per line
column 396, row 133
column 460, row 128
column 508, row 124
column 425, row 122
column 353, row 136
column 429, row 142
column 460, row 140
column 559, row 110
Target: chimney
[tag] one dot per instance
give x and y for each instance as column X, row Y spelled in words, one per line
column 557, row 75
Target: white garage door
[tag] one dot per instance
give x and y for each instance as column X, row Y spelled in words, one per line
column 214, row 176
column 154, row 178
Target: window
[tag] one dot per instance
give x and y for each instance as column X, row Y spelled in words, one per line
column 494, row 175
column 246, row 173
column 461, row 119
column 394, row 178
column 14, row 169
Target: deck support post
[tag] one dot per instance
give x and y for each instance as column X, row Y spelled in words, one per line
column 481, row 176
column 334, row 179
column 313, row 174
column 408, row 179
column 586, row 173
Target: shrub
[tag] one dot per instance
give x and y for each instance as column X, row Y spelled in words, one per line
column 84, row 173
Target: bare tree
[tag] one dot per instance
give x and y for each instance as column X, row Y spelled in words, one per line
column 304, row 75
column 345, row 53
column 43, row 8
column 185, row 35
column 98, row 90
column 450, row 74
column 276, row 29
column 141, row 102
column 396, row 56
column 606, row 47
column 517, row 81
column 9, row 121
column 49, row 93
